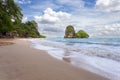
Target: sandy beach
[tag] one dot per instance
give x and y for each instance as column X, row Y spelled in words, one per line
column 20, row 61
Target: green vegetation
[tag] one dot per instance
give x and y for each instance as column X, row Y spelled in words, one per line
column 70, row 33
column 28, row 29
column 9, row 10
column 10, row 22
column 82, row 34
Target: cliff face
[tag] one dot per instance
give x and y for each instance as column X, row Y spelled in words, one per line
column 70, row 33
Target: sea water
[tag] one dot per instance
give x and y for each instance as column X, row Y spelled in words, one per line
column 98, row 55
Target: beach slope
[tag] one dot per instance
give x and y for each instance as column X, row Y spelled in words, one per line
column 20, row 61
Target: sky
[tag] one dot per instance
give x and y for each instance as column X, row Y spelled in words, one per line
column 99, row 18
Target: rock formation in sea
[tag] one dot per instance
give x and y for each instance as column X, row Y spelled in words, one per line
column 71, row 33
column 82, row 34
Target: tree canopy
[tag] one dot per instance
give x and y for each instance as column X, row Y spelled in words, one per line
column 9, row 11
column 29, row 29
column 11, row 21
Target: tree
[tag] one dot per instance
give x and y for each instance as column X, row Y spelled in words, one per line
column 13, row 10
column 9, row 11
column 5, row 24
column 10, row 22
column 29, row 29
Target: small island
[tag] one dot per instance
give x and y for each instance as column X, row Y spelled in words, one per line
column 71, row 33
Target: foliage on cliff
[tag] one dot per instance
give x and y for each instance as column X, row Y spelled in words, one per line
column 28, row 29
column 70, row 33
column 82, row 34
column 10, row 22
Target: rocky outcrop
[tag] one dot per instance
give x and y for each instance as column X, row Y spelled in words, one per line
column 70, row 33
column 82, row 34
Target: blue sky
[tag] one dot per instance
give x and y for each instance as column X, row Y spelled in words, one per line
column 97, row 17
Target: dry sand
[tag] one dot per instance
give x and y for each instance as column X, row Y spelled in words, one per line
column 21, row 62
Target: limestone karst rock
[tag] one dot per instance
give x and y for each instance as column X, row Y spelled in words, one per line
column 70, row 33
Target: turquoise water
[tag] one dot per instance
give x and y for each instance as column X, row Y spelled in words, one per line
column 97, row 41
column 98, row 55
column 101, row 47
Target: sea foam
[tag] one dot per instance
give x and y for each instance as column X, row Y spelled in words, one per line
column 97, row 58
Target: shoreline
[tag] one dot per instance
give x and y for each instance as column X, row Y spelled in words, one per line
column 22, row 62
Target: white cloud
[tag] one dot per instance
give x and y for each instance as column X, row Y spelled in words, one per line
column 108, row 5
column 110, row 30
column 52, row 17
column 97, row 24
column 51, row 30
column 52, row 22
